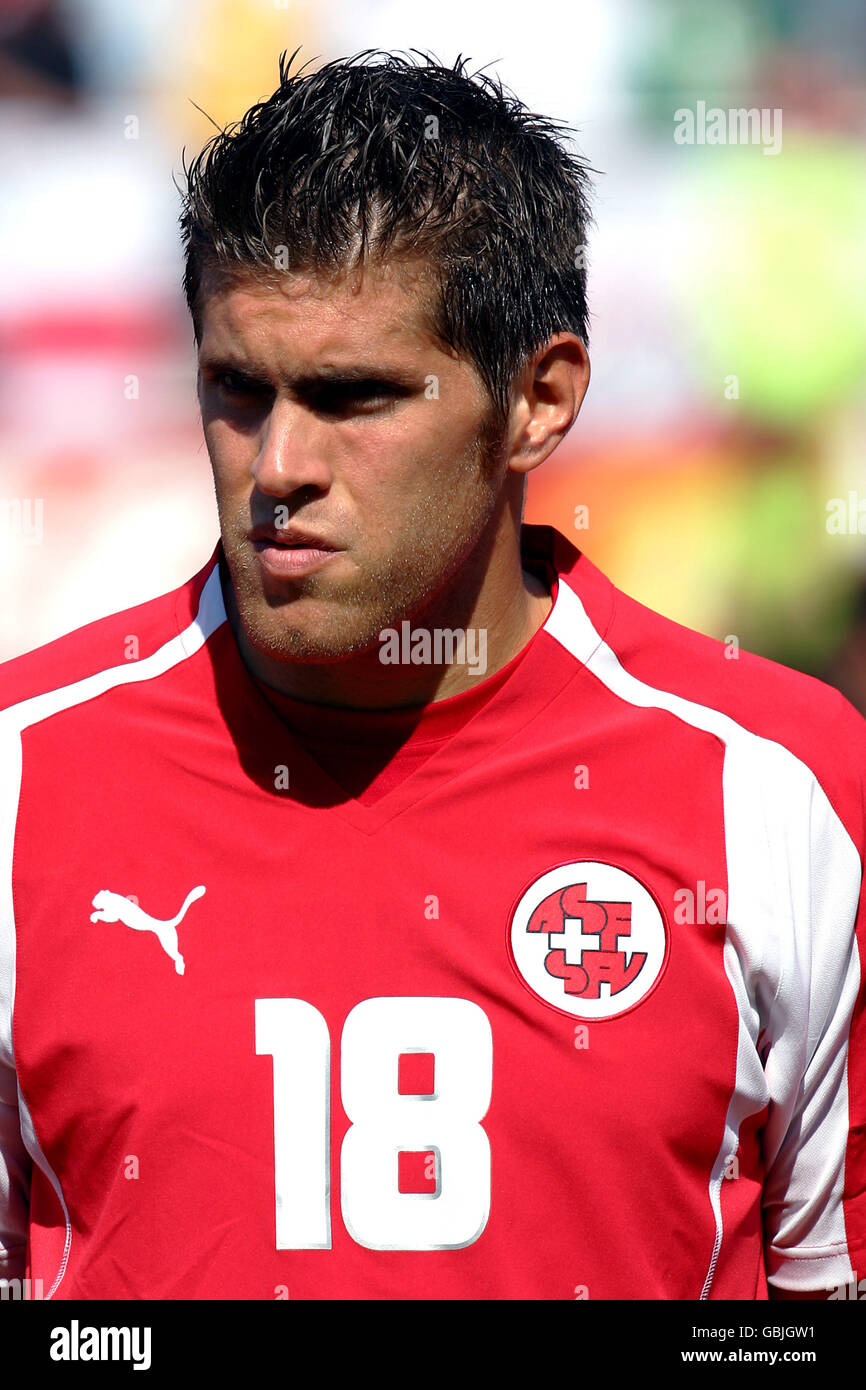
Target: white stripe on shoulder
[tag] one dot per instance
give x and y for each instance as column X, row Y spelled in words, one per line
column 211, row 613
column 17, row 1134
column 794, row 879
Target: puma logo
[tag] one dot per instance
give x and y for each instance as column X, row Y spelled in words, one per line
column 113, row 907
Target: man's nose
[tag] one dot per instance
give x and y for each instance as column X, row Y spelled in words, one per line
column 292, row 453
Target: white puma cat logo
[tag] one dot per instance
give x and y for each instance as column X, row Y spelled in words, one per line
column 113, row 907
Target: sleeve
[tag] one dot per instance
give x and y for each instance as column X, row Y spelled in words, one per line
column 814, row 1201
column 15, row 1162
column 14, row 1181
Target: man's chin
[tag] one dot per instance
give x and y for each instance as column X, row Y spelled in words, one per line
column 289, row 622
column 319, row 643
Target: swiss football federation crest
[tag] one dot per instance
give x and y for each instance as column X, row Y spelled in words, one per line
column 589, row 939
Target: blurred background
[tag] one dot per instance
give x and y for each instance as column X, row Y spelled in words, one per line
column 717, row 471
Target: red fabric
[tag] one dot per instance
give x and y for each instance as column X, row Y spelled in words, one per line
column 178, row 1049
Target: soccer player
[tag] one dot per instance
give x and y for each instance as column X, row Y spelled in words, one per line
column 397, row 910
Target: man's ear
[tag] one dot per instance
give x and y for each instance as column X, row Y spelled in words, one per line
column 546, row 400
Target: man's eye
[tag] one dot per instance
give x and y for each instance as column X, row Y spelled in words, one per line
column 233, row 384
column 366, row 400
column 340, row 401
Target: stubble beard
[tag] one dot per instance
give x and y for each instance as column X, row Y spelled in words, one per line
column 437, row 536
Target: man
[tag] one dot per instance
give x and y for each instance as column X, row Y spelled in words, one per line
column 397, row 910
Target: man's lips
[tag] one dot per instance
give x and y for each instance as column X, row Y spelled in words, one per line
column 288, row 551
column 293, row 536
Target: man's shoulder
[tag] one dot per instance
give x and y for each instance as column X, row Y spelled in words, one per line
column 651, row 661
column 744, row 693
column 108, row 644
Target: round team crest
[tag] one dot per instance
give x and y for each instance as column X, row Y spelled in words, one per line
column 589, row 939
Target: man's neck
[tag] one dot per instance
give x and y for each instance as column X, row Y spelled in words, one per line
column 511, row 605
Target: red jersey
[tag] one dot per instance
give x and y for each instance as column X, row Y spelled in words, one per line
column 570, row 1007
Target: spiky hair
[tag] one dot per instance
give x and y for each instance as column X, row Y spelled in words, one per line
column 364, row 159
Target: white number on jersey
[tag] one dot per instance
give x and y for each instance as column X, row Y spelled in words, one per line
column 384, row 1123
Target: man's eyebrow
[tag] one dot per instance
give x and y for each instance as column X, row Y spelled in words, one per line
column 322, row 376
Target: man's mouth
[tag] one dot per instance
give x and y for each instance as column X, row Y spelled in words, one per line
column 288, row 552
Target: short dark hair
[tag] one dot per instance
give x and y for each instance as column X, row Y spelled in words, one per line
column 360, row 160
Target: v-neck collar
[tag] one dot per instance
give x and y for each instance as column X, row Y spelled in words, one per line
column 544, row 669
column 368, row 752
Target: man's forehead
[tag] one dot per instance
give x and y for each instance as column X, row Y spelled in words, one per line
column 379, row 306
